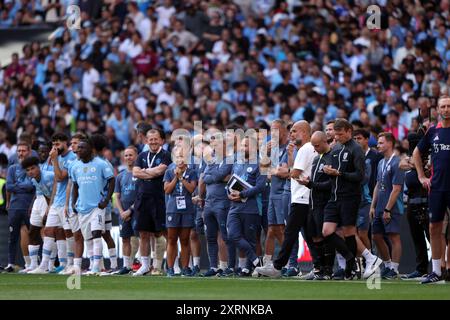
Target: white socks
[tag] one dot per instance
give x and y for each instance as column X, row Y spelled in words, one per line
column 47, row 252
column 62, row 252
column 77, row 262
column 53, row 254
column 341, row 261
column 196, row 261
column 33, row 250
column 70, row 250
column 267, row 259
column 90, row 252
column 145, row 264
column 242, row 262
column 126, row 262
column 367, row 255
column 223, row 265
column 113, row 258
column 394, row 265
column 387, row 264
column 176, row 265
column 27, row 261
column 98, row 246
column 436, row 266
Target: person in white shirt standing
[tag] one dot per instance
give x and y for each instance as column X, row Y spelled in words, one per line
column 300, row 199
column 90, row 78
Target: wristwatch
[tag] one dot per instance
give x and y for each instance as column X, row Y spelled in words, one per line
column 387, row 210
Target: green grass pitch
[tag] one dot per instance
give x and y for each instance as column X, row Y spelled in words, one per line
column 54, row 287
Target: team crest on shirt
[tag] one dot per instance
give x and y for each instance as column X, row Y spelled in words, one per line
column 93, row 169
column 134, row 179
column 169, row 218
column 321, row 167
column 345, row 156
column 85, row 169
column 249, row 169
column 158, row 161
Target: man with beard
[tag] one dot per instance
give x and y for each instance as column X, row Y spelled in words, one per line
column 57, row 226
column 21, row 191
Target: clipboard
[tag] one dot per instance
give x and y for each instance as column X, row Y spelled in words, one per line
column 236, row 183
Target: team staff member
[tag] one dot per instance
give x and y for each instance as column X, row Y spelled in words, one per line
column 21, row 191
column 217, row 205
column 320, row 185
column 279, row 174
column 387, row 205
column 180, row 182
column 125, row 193
column 150, row 206
column 300, row 198
column 437, row 139
column 199, row 165
column 243, row 218
column 347, row 172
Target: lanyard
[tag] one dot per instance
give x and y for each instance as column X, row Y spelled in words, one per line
column 180, row 183
column 384, row 166
column 153, row 159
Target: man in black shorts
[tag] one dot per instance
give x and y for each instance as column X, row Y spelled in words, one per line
column 347, row 173
column 150, row 206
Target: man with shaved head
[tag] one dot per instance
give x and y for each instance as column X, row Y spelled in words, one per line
column 300, row 198
column 320, row 185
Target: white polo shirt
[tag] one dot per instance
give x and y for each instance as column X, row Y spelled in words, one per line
column 303, row 161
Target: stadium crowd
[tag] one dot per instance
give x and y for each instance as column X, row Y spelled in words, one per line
column 136, row 72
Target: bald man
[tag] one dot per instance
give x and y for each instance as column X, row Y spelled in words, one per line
column 320, row 185
column 300, row 198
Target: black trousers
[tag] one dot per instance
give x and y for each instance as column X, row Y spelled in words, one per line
column 419, row 222
column 296, row 221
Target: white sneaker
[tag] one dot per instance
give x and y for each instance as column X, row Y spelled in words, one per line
column 38, row 270
column 70, row 270
column 371, row 267
column 142, row 271
column 268, row 271
column 255, row 274
column 93, row 272
column 28, row 269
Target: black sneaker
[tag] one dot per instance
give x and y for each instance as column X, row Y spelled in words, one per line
column 432, row 278
column 350, row 268
column 447, row 276
column 339, row 274
column 186, row 272
column 228, row 272
column 9, row 269
column 245, row 273
column 124, row 271
column 358, row 268
column 322, row 275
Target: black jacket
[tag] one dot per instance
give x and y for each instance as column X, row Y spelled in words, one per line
column 320, row 182
column 348, row 159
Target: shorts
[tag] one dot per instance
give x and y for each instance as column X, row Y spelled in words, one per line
column 380, row 227
column 180, row 220
column 73, row 221
column 439, row 203
column 93, row 221
column 38, row 211
column 56, row 218
column 286, row 204
column 363, row 220
column 108, row 219
column 151, row 213
column 314, row 222
column 127, row 228
column 276, row 213
column 344, row 212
